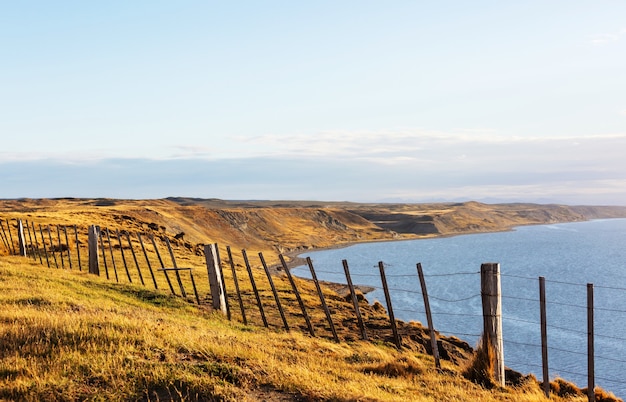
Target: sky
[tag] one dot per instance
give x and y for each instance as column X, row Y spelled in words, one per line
column 368, row 101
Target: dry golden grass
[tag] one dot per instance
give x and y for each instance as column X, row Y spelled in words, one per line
column 68, row 335
column 72, row 336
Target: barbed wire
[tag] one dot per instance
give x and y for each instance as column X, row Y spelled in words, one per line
column 519, row 298
column 504, row 296
column 454, row 300
column 456, row 333
column 506, row 318
column 522, row 343
column 456, row 314
column 613, row 310
column 576, row 331
column 451, row 274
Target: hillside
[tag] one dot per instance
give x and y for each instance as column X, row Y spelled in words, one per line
column 287, row 226
column 68, row 335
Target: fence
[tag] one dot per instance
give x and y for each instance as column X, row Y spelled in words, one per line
column 260, row 290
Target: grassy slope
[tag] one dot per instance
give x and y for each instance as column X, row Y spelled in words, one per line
column 66, row 335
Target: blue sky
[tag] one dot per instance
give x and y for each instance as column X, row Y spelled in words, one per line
column 338, row 100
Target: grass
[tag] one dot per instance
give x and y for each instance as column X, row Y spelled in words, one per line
column 66, row 335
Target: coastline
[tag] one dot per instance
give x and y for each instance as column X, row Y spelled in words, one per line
column 294, row 260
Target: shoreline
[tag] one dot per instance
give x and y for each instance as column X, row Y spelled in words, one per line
column 294, row 259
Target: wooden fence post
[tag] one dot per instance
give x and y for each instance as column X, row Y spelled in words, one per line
column 254, row 288
column 67, row 242
column 36, row 242
column 119, row 242
column 30, row 241
column 591, row 381
column 80, row 264
column 234, row 271
column 221, row 272
column 56, row 262
column 355, row 301
column 21, row 240
column 4, row 237
column 271, row 282
column 218, row 296
column 429, row 316
column 94, row 233
column 492, row 316
column 178, row 278
column 297, row 293
column 145, row 254
column 193, row 285
column 104, row 256
column 60, row 246
column 10, row 236
column 322, row 299
column 132, row 251
column 43, row 242
column 156, row 250
column 544, row 336
column 117, row 279
column 392, row 319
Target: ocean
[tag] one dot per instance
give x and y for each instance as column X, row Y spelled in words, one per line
column 568, row 255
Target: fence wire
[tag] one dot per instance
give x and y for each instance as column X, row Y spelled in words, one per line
column 52, row 241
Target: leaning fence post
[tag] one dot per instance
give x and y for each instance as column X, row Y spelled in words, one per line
column 544, row 336
column 271, row 282
column 20, row 238
column 355, row 301
column 492, row 316
column 132, row 251
column 30, row 241
column 178, row 278
column 4, row 237
column 254, row 288
column 145, row 254
column 156, row 250
column 429, row 316
column 392, row 319
column 104, row 256
column 60, row 246
column 11, row 236
column 67, row 241
column 43, row 242
column 322, row 299
column 221, row 272
column 591, row 382
column 94, row 267
column 215, row 278
column 56, row 263
column 119, row 241
column 234, row 271
column 80, row 265
column 117, row 279
column 36, row 242
column 297, row 293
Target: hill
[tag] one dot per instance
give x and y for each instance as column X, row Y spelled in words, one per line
column 67, row 335
column 288, row 226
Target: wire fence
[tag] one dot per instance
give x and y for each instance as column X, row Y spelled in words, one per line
column 167, row 262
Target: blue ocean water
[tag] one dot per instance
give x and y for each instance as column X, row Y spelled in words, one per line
column 568, row 255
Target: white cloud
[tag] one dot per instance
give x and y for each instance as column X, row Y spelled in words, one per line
column 604, row 38
column 567, row 191
column 433, row 151
column 191, row 151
